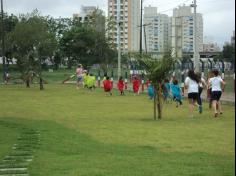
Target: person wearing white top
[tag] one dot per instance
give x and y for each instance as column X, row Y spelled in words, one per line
column 217, row 84
column 191, row 83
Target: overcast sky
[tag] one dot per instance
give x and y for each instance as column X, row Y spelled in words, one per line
column 218, row 15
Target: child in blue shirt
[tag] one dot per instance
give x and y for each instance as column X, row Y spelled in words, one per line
column 166, row 90
column 176, row 92
column 150, row 91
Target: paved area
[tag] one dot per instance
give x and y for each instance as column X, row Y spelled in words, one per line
column 17, row 161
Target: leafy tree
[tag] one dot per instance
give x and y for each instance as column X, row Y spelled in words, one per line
column 157, row 70
column 77, row 44
column 96, row 20
column 86, row 42
column 229, row 53
column 110, row 31
column 32, row 43
column 10, row 22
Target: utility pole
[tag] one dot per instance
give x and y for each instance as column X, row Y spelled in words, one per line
column 118, row 38
column 141, row 29
column 196, row 44
column 3, row 44
column 145, row 36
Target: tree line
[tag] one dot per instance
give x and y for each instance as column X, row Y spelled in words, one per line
column 32, row 39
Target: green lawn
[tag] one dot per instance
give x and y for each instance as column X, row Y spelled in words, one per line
column 86, row 133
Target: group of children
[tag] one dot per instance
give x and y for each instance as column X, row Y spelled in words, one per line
column 194, row 83
column 170, row 91
column 108, row 86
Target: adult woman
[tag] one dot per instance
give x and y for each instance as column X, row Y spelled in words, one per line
column 216, row 84
column 191, row 83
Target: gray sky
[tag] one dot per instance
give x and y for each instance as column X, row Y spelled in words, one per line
column 218, row 15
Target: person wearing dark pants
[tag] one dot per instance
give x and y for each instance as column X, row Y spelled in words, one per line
column 202, row 85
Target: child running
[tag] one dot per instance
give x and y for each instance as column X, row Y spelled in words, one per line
column 107, row 85
column 150, row 90
column 191, row 83
column 79, row 74
column 85, row 78
column 120, row 85
column 217, row 85
column 176, row 92
column 166, row 90
column 136, row 85
column 91, row 81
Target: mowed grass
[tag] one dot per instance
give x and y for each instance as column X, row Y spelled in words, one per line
column 86, row 133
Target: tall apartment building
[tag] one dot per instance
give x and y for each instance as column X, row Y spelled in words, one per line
column 183, row 31
column 129, row 22
column 157, row 31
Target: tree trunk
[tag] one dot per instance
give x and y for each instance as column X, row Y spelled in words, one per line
column 41, row 83
column 155, row 109
column 159, row 107
column 155, row 102
column 27, row 82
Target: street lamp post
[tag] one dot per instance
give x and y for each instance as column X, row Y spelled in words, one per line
column 141, row 29
column 3, row 43
column 196, row 46
column 118, row 38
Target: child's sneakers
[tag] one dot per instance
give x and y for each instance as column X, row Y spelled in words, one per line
column 200, row 109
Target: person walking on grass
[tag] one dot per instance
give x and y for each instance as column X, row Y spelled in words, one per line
column 191, row 83
column 202, row 85
column 107, row 85
column 120, row 85
column 136, row 85
column 79, row 75
column 217, row 84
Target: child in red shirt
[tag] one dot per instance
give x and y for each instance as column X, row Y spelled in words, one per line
column 107, row 85
column 120, row 85
column 136, row 85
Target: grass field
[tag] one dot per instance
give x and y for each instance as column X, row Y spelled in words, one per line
column 86, row 133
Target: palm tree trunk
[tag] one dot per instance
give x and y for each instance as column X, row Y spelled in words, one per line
column 155, row 103
column 159, row 107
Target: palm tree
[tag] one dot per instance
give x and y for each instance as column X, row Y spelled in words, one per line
column 157, row 71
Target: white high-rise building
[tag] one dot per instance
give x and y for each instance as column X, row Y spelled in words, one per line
column 129, row 22
column 183, row 31
column 157, row 31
